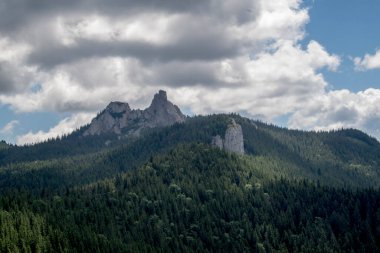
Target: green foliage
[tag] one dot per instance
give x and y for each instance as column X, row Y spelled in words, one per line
column 27, row 232
column 344, row 158
column 170, row 191
column 200, row 199
column 55, row 175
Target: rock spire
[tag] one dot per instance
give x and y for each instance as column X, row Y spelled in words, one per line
column 118, row 117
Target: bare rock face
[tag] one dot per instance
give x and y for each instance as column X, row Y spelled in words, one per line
column 233, row 139
column 162, row 112
column 112, row 119
column 118, row 116
column 217, row 141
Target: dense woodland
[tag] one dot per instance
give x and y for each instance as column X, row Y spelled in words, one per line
column 171, row 191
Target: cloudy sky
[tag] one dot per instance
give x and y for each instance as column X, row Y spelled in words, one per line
column 303, row 64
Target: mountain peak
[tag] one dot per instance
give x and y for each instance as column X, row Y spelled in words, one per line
column 118, row 116
column 161, row 96
column 160, row 99
column 118, row 107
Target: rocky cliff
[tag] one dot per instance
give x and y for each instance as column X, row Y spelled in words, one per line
column 233, row 139
column 118, row 117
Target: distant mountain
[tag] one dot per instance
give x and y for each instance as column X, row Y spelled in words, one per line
column 154, row 180
column 344, row 158
column 119, row 118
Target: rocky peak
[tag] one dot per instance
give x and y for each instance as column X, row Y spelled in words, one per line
column 118, row 107
column 118, row 116
column 162, row 112
column 159, row 98
column 159, row 102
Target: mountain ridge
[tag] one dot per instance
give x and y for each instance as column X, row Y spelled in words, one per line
column 344, row 157
column 119, row 118
column 175, row 189
column 329, row 157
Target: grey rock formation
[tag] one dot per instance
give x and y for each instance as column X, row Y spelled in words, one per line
column 233, row 139
column 112, row 119
column 162, row 112
column 217, row 141
column 118, row 117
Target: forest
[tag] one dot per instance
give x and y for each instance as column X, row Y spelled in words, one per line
column 171, row 191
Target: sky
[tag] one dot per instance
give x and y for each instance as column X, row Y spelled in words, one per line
column 312, row 65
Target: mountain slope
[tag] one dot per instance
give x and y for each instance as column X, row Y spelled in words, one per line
column 335, row 158
column 195, row 198
column 119, row 139
column 115, row 125
column 175, row 189
column 279, row 152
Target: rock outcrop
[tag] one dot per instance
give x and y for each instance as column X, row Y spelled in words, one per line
column 118, row 117
column 217, row 141
column 233, row 139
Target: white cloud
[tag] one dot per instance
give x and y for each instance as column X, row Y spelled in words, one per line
column 9, row 127
column 341, row 109
column 368, row 62
column 211, row 56
column 65, row 126
column 150, row 27
column 86, row 59
column 15, row 76
column 276, row 82
column 85, row 86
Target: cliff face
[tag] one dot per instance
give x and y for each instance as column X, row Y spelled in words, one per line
column 217, row 141
column 112, row 119
column 162, row 112
column 118, row 116
column 233, row 139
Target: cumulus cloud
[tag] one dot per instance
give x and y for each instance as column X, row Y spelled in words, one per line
column 245, row 56
column 84, row 56
column 277, row 81
column 15, row 76
column 368, row 62
column 65, row 126
column 341, row 109
column 9, row 127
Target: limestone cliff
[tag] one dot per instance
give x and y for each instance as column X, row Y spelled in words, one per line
column 217, row 141
column 233, row 139
column 118, row 117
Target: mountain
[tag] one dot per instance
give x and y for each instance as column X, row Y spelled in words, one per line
column 118, row 117
column 344, row 158
column 215, row 183
column 193, row 198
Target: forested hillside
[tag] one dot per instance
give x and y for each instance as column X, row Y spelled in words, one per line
column 170, row 190
column 193, row 199
column 3, row 145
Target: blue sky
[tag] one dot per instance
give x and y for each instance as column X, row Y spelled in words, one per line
column 348, row 29
column 288, row 62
